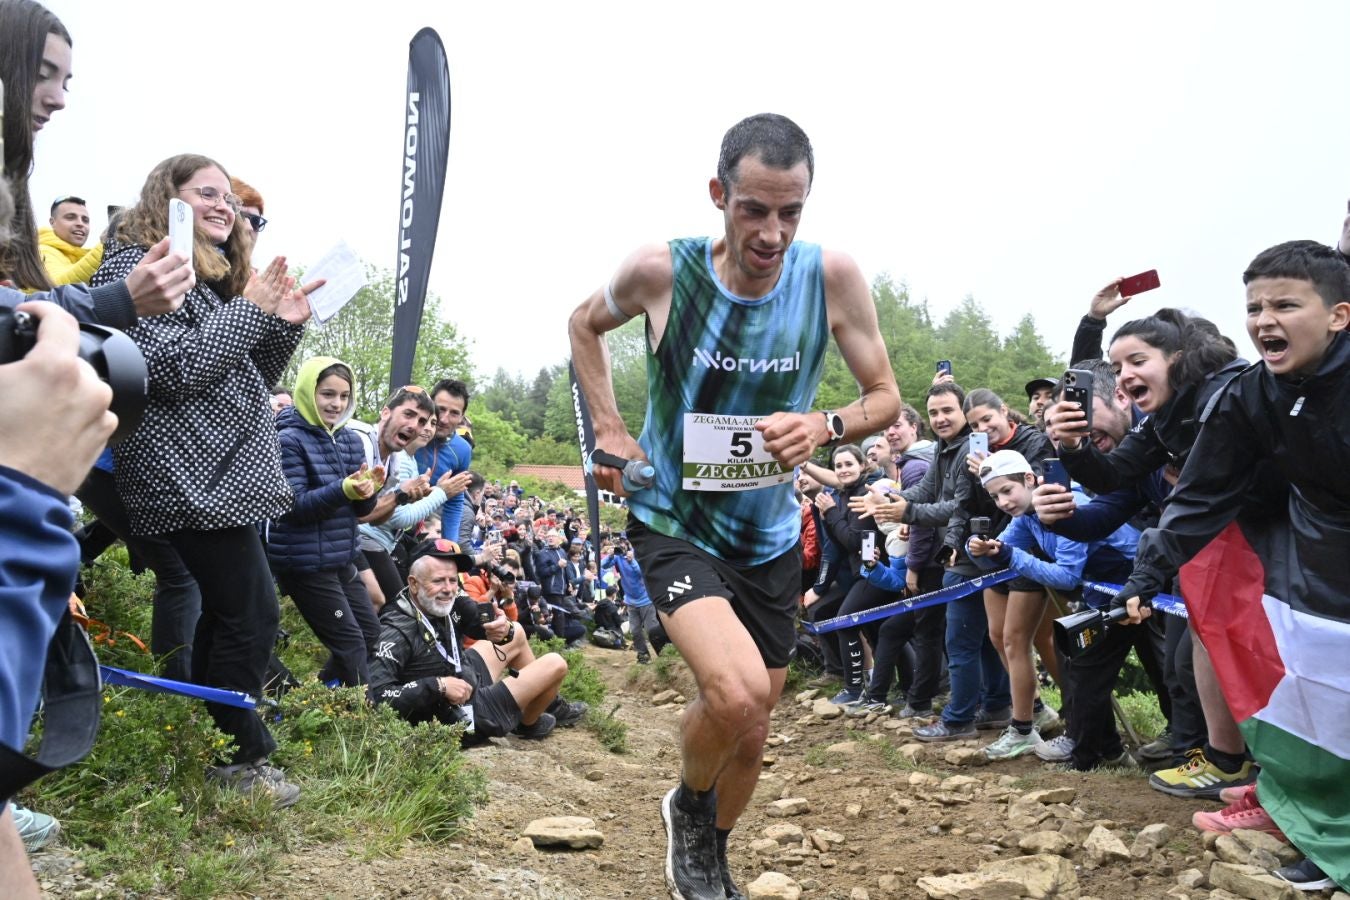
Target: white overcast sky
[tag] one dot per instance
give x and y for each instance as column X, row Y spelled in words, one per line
column 1022, row 153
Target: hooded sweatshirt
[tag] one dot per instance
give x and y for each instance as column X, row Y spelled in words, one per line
column 319, row 532
column 66, row 263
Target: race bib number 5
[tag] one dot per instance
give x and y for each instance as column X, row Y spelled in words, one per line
column 726, row 453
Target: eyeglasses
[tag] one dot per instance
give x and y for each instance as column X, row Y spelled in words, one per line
column 213, row 196
column 257, row 221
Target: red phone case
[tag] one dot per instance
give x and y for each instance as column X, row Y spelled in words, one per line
column 1137, row 284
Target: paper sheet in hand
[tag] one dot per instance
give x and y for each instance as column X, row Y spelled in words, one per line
column 345, row 275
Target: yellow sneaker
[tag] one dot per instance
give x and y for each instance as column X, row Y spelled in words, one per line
column 1200, row 779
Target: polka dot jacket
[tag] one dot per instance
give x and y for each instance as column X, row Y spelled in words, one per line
column 205, row 456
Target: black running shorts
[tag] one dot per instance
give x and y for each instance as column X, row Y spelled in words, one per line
column 764, row 597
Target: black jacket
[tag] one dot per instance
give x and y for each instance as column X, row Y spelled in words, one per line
column 1263, row 430
column 407, row 664
column 943, row 499
column 1035, row 448
column 1162, row 439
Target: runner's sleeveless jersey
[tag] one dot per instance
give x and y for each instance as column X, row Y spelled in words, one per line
column 723, row 363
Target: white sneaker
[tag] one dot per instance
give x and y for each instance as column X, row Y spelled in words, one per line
column 1055, row 750
column 1046, row 720
column 1012, row 743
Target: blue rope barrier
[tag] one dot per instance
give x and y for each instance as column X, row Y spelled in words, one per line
column 909, row 604
column 154, row 684
column 1173, row 606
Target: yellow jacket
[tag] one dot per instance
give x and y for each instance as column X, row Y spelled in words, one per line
column 66, row 263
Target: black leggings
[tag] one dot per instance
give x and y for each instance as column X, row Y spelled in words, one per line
column 862, row 596
column 387, row 575
column 335, row 604
column 237, row 628
column 922, row 632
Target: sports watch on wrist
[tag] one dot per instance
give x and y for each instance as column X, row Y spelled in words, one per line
column 834, row 424
column 402, row 497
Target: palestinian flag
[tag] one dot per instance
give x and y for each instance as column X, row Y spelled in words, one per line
column 1271, row 602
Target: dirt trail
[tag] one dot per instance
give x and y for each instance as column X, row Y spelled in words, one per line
column 890, row 825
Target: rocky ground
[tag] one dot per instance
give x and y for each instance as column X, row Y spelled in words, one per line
column 846, row 808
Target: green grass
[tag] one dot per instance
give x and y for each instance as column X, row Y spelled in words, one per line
column 1141, row 710
column 663, row 664
column 140, row 808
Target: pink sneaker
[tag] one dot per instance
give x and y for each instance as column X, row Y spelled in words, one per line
column 1243, row 812
column 1233, row 795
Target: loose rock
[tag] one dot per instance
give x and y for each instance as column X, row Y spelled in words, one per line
column 784, row 833
column 1103, row 847
column 1259, row 840
column 773, row 886
column 824, row 709
column 792, row 806
column 666, row 696
column 1250, row 882
column 575, row 832
column 966, row 756
column 1027, row 876
column 1051, row 842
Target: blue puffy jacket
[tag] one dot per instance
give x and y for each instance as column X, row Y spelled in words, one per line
column 320, row 530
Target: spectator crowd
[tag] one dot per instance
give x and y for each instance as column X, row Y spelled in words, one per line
column 425, row 582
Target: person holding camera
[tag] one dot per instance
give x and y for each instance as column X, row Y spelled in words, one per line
column 204, row 468
column 423, row 670
column 63, row 404
column 641, row 613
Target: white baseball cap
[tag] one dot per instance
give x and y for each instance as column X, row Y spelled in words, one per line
column 1002, row 464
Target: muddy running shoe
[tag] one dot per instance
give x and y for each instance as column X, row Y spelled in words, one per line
column 1055, row 750
column 566, row 713
column 993, row 719
column 867, row 707
column 1046, row 720
column 1158, row 748
column 1012, row 743
column 1305, row 875
column 693, row 871
column 1244, row 812
column 36, row 829
column 941, row 731
column 257, row 777
column 1198, row 778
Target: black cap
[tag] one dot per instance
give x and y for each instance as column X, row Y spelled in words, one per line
column 444, row 549
column 1036, row 384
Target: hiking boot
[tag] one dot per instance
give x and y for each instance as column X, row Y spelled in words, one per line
column 256, row 777
column 1244, row 812
column 542, row 728
column 566, row 713
column 1012, row 743
column 36, row 829
column 1046, row 720
column 867, row 707
column 941, row 731
column 1055, row 750
column 1305, row 875
column 846, row 698
column 1198, row 778
column 728, row 885
column 1158, row 748
column 993, row 720
column 693, row 871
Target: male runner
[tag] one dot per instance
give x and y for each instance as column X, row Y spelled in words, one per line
column 739, row 326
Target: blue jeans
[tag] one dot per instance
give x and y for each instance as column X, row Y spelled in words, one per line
column 977, row 674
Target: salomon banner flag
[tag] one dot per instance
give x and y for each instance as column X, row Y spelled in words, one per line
column 426, row 144
column 586, row 438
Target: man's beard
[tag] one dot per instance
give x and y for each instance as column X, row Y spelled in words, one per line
column 433, row 607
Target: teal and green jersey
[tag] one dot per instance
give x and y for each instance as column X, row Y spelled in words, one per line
column 723, row 363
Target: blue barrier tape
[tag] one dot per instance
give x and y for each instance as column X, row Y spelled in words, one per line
column 157, row 685
column 922, row 601
column 1173, row 606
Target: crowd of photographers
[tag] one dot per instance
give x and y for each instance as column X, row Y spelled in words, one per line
column 424, row 583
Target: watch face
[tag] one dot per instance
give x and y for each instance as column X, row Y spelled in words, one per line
column 836, row 425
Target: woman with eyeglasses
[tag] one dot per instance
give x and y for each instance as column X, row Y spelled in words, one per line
column 204, row 468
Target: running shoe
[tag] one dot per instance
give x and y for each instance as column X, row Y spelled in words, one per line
column 941, row 731
column 1046, row 720
column 1199, row 779
column 728, row 884
column 36, row 829
column 1055, row 750
column 1234, row 794
column 993, row 720
column 867, row 707
column 542, row 727
column 1012, row 743
column 254, row 778
column 693, row 871
column 1305, row 875
column 1244, row 812
column 909, row 712
column 846, row 698
column 566, row 713
column 1158, row 748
